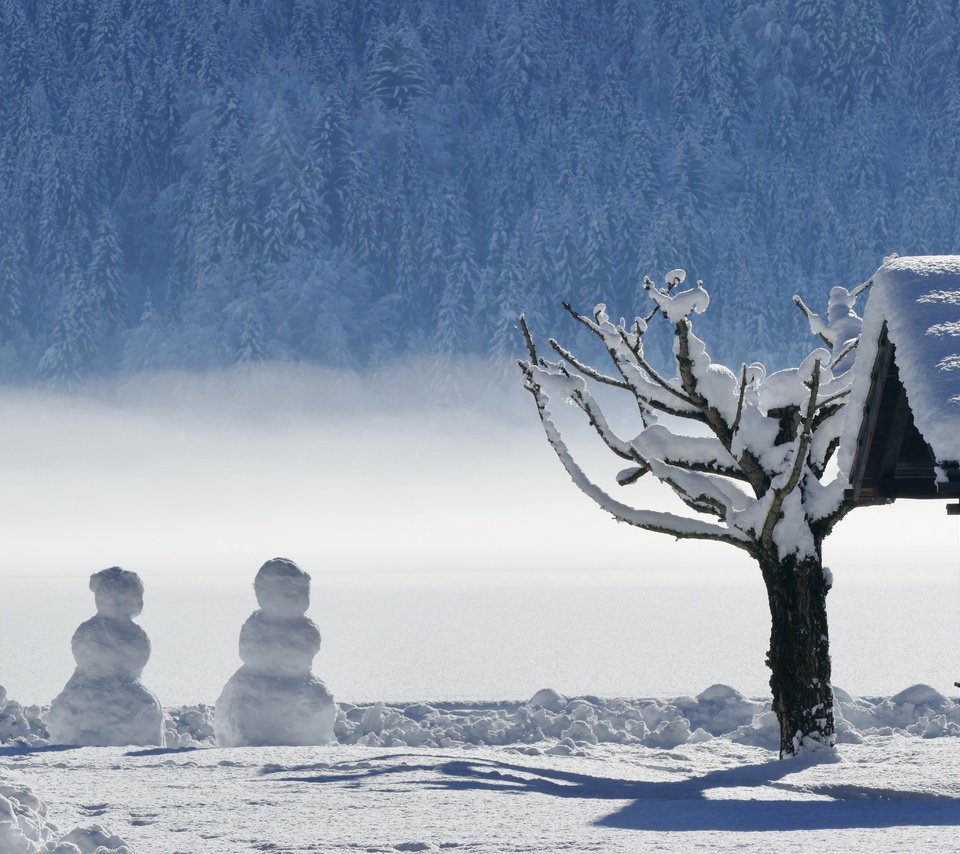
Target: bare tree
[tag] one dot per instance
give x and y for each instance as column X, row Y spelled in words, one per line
column 752, row 462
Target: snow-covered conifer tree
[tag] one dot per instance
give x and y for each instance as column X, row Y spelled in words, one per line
column 106, row 271
column 753, row 460
column 251, row 339
column 76, row 335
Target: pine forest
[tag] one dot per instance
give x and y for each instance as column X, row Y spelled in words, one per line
column 195, row 183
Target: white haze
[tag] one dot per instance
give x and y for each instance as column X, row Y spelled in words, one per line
column 361, row 477
column 417, row 495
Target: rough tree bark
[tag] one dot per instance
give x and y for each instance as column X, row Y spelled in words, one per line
column 799, row 654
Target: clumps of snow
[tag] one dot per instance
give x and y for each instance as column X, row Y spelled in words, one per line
column 25, row 829
column 550, row 723
column 189, row 726
column 547, row 698
column 554, row 723
column 917, row 710
column 21, row 724
column 677, row 306
column 95, row 839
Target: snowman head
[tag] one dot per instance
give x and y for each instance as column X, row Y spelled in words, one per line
column 282, row 588
column 118, row 592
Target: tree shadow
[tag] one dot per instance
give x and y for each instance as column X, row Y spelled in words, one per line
column 160, row 751
column 691, row 804
column 21, row 749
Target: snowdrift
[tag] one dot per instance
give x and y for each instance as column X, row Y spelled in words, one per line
column 553, row 724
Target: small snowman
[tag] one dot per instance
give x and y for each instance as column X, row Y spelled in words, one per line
column 274, row 698
column 104, row 703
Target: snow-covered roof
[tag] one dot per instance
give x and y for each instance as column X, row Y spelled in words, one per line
column 918, row 299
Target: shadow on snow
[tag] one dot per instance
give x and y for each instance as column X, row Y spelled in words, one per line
column 671, row 805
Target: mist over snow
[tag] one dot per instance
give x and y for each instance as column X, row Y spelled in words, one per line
column 437, row 528
column 355, row 473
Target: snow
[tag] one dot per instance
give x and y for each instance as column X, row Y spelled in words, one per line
column 917, row 298
column 274, row 698
column 614, row 774
column 104, row 702
column 677, row 306
column 25, row 829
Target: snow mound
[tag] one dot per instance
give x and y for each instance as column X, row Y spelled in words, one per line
column 552, row 723
column 920, row 695
column 25, row 829
column 719, row 709
column 917, row 710
column 547, row 698
column 23, row 724
column 189, row 726
column 549, row 722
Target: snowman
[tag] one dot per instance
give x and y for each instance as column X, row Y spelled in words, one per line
column 104, row 703
column 274, row 698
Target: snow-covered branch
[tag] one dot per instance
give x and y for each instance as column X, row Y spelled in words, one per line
column 769, row 439
column 792, row 479
column 680, row 527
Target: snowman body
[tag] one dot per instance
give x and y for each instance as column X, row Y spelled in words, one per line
column 274, row 698
column 104, row 703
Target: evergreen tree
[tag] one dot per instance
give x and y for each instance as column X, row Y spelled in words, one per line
column 11, row 280
column 251, row 339
column 105, row 273
column 397, row 73
column 75, row 337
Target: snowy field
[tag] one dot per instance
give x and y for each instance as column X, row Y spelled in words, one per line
column 890, row 793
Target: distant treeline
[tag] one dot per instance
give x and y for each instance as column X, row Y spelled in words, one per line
column 189, row 183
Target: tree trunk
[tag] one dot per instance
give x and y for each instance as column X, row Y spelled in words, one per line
column 799, row 656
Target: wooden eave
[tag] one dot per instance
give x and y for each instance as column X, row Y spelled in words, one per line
column 892, row 460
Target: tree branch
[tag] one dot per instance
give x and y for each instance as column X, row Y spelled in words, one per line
column 643, row 368
column 585, row 369
column 833, row 398
column 814, row 319
column 680, row 527
column 528, row 338
column 846, row 349
column 803, row 443
column 743, row 390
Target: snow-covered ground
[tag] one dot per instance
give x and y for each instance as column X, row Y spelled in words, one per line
column 551, row 774
column 891, row 793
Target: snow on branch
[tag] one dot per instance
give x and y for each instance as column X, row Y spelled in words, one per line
column 625, row 349
column 677, row 307
column 770, row 437
column 680, row 527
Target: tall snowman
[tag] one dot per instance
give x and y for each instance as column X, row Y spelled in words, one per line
column 274, row 698
column 104, row 703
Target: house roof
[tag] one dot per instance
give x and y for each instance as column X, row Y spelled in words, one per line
column 902, row 432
